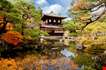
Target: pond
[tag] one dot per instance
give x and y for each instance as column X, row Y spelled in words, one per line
column 61, row 63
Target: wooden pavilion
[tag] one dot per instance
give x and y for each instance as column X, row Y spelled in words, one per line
column 52, row 25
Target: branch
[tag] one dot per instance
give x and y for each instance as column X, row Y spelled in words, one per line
column 94, row 17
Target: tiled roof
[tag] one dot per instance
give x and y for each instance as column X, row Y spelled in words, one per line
column 51, row 16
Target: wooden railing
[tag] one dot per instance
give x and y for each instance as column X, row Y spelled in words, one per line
column 52, row 37
column 59, row 37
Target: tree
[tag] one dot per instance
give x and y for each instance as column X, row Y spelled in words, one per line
column 33, row 34
column 71, row 26
column 14, row 38
column 8, row 10
column 94, row 33
column 9, row 13
column 90, row 15
column 93, row 8
column 85, row 60
column 31, row 19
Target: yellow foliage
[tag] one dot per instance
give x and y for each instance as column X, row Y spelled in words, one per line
column 94, row 33
column 84, row 17
column 8, row 64
column 96, row 27
column 86, row 40
column 80, row 4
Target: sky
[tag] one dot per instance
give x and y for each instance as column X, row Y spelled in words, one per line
column 55, row 7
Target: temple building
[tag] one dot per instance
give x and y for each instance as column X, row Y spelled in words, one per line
column 53, row 26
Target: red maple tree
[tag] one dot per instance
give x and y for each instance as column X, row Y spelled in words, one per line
column 12, row 37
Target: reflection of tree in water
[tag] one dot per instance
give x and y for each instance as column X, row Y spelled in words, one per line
column 61, row 63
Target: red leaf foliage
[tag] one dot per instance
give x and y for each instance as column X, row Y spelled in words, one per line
column 12, row 37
